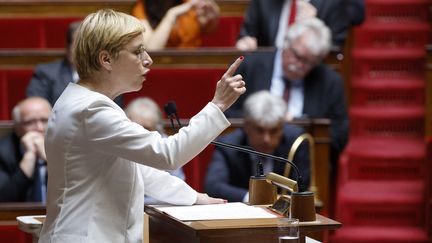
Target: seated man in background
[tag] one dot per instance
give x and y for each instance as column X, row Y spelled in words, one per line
column 296, row 73
column 266, row 22
column 50, row 79
column 22, row 153
column 265, row 131
column 147, row 113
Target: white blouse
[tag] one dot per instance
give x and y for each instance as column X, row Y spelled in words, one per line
column 95, row 190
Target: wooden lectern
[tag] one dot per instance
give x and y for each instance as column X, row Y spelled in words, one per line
column 165, row 228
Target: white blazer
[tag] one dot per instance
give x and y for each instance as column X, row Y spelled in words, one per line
column 95, row 190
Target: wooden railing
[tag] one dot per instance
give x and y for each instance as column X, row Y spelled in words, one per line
column 199, row 57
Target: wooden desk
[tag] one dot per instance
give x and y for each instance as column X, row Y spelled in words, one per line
column 164, row 228
column 9, row 211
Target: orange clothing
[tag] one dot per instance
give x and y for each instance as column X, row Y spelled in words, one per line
column 185, row 33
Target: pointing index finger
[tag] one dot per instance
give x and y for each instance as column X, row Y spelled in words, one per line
column 231, row 70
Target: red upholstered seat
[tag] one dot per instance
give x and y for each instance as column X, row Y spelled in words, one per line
column 13, row 87
column 226, row 33
column 22, row 33
column 56, row 29
column 190, row 88
column 11, row 234
column 34, row 32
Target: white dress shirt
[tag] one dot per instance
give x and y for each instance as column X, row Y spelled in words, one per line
column 277, row 87
column 96, row 159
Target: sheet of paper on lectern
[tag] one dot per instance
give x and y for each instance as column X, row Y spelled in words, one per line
column 216, row 211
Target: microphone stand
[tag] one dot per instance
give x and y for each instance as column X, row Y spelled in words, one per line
column 302, row 202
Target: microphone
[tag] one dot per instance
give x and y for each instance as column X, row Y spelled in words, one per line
column 171, row 111
column 300, row 206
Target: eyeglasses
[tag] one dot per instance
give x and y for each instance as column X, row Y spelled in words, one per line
column 303, row 59
column 33, row 122
column 141, row 53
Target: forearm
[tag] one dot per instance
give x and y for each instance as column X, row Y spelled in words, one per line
column 158, row 38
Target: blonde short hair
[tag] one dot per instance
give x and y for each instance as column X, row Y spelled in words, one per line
column 107, row 30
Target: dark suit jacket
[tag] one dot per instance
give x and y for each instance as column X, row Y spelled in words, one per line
column 356, row 11
column 15, row 186
column 262, row 19
column 324, row 95
column 229, row 170
column 50, row 79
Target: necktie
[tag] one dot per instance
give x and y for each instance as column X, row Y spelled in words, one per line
column 39, row 185
column 287, row 90
column 293, row 12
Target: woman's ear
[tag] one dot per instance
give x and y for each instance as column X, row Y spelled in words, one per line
column 105, row 60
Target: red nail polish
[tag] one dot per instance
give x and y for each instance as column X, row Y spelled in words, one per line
column 241, row 57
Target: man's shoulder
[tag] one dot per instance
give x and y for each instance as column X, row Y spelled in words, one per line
column 326, row 73
column 236, row 137
column 8, row 143
column 51, row 65
column 293, row 130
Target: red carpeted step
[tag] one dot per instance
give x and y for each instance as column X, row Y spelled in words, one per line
column 373, row 234
column 371, row 203
column 391, row 35
column 397, row 11
column 376, row 63
column 368, row 160
column 401, row 92
column 388, row 122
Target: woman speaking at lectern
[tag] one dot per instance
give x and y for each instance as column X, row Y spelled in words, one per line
column 100, row 163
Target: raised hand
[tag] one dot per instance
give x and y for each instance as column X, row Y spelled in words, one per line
column 229, row 87
column 247, row 43
column 178, row 10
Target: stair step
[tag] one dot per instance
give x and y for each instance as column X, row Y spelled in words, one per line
column 391, row 35
column 395, row 203
column 397, row 11
column 379, row 168
column 387, row 122
column 385, row 63
column 387, row 92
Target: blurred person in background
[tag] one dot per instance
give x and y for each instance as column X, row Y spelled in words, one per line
column 296, row 73
column 176, row 23
column 264, row 130
column 266, row 22
column 50, row 79
column 22, row 154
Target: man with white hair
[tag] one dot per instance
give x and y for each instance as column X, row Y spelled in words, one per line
column 296, row 73
column 265, row 131
column 22, row 154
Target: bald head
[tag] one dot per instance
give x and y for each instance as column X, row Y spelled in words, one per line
column 31, row 114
